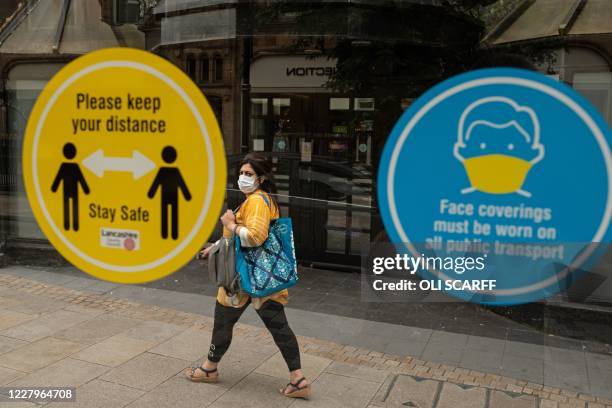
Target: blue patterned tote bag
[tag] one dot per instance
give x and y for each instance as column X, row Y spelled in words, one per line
column 270, row 267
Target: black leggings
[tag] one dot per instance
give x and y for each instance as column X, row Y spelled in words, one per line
column 273, row 315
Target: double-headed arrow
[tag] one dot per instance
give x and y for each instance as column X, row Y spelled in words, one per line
column 138, row 164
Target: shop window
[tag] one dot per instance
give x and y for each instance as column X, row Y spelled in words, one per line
column 190, row 67
column 364, row 104
column 218, row 61
column 597, row 88
column 23, row 85
column 205, row 69
column 281, row 124
column 259, row 112
column 126, row 11
column 216, row 103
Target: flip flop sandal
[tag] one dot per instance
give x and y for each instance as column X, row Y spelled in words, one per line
column 205, row 379
column 300, row 392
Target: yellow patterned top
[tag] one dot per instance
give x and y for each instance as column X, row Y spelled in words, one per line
column 254, row 216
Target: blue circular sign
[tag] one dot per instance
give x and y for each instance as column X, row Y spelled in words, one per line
column 503, row 163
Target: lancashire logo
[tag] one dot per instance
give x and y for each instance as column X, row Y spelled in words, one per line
column 128, row 240
column 498, row 143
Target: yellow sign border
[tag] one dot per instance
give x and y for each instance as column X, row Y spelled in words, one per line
column 181, row 83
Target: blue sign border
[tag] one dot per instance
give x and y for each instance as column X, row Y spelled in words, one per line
column 383, row 179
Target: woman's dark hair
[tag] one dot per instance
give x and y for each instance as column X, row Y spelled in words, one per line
column 263, row 168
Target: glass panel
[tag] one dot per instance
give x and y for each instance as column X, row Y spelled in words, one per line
column 364, row 104
column 359, row 242
column 205, row 69
column 210, row 25
column 218, row 69
column 280, row 105
column 339, row 103
column 259, row 106
column 24, row 85
column 597, row 88
column 190, row 66
column 336, row 241
column 336, row 218
column 166, row 6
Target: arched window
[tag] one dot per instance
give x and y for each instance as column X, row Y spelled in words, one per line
column 205, row 68
column 190, row 66
column 218, row 61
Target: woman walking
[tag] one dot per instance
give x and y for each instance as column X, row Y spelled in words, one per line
column 250, row 224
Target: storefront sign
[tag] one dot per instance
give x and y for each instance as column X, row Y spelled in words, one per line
column 291, row 71
column 505, row 164
column 124, row 165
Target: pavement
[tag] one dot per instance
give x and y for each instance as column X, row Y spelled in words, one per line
column 126, row 345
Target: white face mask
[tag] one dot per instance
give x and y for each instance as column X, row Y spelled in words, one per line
column 247, row 184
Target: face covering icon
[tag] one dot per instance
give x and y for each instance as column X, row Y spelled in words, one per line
column 498, row 144
column 247, row 184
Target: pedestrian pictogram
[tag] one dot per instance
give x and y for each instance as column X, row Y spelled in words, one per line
column 170, row 181
column 124, row 165
column 71, row 177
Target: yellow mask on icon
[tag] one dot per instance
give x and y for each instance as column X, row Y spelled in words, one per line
column 496, row 173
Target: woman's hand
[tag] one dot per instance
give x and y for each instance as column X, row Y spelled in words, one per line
column 203, row 254
column 228, row 219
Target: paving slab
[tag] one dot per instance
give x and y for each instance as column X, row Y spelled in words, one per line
column 457, row 396
column 39, row 354
column 85, row 310
column 567, row 374
column 179, row 392
column 405, row 348
column 443, row 353
column 100, row 394
column 9, row 344
column 501, row 399
column 67, row 372
column 99, row 287
column 485, row 344
column 598, row 362
column 188, row 345
column 333, row 390
column 52, row 278
column 363, row 373
column 5, row 402
column 45, row 325
column 8, row 375
column 10, row 318
column 31, row 304
column 312, row 366
column 530, row 369
column 114, row 351
column 525, row 350
column 7, row 302
column 156, row 332
column 488, row 361
column 601, row 387
column 240, row 360
column 97, row 329
column 79, row 283
column 405, row 390
column 145, row 371
column 255, row 391
column 448, row 339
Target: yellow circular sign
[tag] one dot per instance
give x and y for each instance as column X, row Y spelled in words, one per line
column 124, row 165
